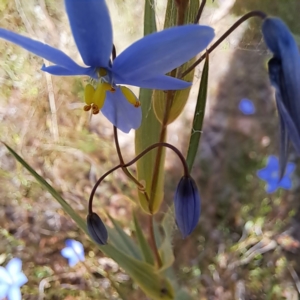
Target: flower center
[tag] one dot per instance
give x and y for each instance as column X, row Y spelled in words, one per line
column 95, row 97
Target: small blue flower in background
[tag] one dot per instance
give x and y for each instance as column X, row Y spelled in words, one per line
column 11, row 279
column 271, row 174
column 284, row 73
column 143, row 64
column 74, row 252
column 247, row 107
column 187, row 205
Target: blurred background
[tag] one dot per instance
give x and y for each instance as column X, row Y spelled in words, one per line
column 246, row 245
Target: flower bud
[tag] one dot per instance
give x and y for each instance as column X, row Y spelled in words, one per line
column 97, row 229
column 284, row 73
column 187, row 205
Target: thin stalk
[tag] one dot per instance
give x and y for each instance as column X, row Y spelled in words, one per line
column 127, row 173
column 200, row 11
column 179, row 154
column 255, row 13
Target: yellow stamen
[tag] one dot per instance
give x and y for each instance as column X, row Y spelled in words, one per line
column 89, row 92
column 130, row 96
column 100, row 94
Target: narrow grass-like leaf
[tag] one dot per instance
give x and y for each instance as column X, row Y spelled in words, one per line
column 198, row 117
column 67, row 208
column 144, row 244
column 123, row 241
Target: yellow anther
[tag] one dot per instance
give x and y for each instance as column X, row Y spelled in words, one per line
column 87, row 107
column 102, row 72
column 130, row 96
column 95, row 109
column 89, row 92
column 137, row 104
column 100, row 94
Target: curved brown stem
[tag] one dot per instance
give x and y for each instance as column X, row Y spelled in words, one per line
column 255, row 13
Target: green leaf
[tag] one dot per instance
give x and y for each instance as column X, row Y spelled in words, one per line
column 198, row 117
column 144, row 244
column 149, row 131
column 123, row 241
column 149, row 17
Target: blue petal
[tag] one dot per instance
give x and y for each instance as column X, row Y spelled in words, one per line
column 61, row 71
column 78, row 249
column 120, row 112
column 290, row 168
column 263, row 174
column 14, row 267
column 290, row 125
column 20, row 279
column 92, row 30
column 68, row 252
column 286, row 183
column 3, row 290
column 72, row 261
column 161, row 82
column 14, row 293
column 272, row 186
column 158, row 53
column 284, row 146
column 5, row 276
column 285, row 73
column 43, row 50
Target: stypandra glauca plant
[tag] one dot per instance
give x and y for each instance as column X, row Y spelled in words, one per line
column 162, row 65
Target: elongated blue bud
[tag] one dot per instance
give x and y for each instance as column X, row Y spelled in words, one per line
column 97, row 229
column 284, row 72
column 187, row 205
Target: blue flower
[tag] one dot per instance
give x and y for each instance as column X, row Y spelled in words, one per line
column 73, row 252
column 187, row 205
column 247, row 107
column 143, row 64
column 271, row 174
column 284, row 73
column 11, row 279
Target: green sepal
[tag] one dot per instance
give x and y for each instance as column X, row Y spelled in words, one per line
column 198, row 117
